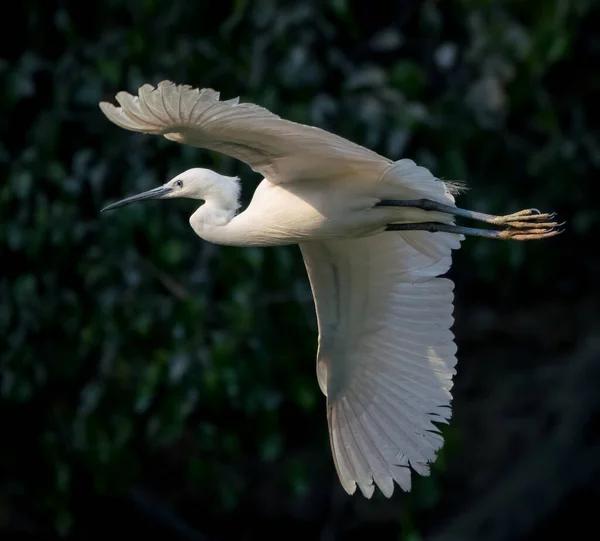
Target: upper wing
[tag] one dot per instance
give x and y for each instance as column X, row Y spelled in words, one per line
column 281, row 150
column 386, row 353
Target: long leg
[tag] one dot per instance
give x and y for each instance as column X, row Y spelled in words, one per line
column 509, row 233
column 524, row 219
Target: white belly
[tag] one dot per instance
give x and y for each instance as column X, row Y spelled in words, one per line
column 279, row 215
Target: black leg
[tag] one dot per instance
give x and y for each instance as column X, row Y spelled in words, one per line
column 524, row 219
column 508, row 233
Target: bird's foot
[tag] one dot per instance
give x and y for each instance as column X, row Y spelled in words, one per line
column 528, row 224
column 530, row 233
column 525, row 219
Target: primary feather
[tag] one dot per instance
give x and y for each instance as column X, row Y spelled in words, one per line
column 281, row 150
column 386, row 355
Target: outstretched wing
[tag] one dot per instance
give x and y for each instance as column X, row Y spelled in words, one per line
column 386, row 354
column 281, row 150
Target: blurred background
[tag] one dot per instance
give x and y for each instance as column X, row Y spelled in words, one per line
column 155, row 384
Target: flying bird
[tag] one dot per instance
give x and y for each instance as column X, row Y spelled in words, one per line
column 375, row 235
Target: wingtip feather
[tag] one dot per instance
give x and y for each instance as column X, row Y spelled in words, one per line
column 158, row 109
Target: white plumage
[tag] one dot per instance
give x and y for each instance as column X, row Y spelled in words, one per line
column 386, row 355
column 375, row 236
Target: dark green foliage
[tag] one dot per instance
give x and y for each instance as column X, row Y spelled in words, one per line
column 134, row 354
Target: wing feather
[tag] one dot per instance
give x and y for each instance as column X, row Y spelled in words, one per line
column 386, row 353
column 281, row 150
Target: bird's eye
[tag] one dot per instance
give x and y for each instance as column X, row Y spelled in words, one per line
column 179, row 183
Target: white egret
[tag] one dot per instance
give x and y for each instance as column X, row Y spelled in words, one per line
column 375, row 236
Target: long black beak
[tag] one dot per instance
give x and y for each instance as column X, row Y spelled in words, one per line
column 156, row 193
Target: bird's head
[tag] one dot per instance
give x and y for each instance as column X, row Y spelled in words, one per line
column 194, row 184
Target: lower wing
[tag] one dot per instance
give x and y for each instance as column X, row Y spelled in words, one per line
column 386, row 353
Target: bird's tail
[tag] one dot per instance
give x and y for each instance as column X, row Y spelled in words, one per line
column 405, row 179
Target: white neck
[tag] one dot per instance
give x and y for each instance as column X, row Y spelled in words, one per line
column 221, row 205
